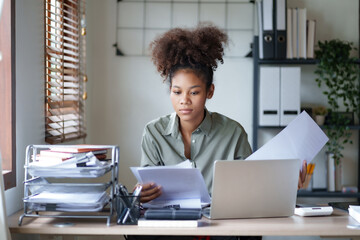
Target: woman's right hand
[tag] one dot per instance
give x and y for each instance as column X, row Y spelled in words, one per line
column 149, row 192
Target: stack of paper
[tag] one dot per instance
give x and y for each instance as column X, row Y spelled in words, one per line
column 61, row 156
column 70, row 202
column 70, row 169
column 354, row 212
column 181, row 186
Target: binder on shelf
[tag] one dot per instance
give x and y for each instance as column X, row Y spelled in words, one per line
column 311, row 26
column 302, row 32
column 289, row 94
column 268, row 29
column 289, row 39
column 280, row 29
column 260, row 28
column 269, row 96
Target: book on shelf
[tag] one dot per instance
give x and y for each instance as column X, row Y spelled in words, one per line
column 289, row 34
column 311, row 26
column 294, row 33
column 300, row 34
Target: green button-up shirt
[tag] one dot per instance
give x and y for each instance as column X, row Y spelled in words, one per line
column 217, row 138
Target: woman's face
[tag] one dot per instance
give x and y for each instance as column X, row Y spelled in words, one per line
column 188, row 95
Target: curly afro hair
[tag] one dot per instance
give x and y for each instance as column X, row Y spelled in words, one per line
column 199, row 49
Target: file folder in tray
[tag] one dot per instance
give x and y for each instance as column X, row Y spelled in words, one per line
column 74, row 199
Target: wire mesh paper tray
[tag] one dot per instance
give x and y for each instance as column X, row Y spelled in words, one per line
column 40, row 184
column 55, row 203
column 57, row 199
column 78, row 172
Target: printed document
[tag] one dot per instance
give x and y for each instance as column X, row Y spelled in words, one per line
column 182, row 187
column 301, row 139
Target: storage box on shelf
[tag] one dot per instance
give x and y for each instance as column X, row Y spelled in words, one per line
column 256, row 126
column 58, row 189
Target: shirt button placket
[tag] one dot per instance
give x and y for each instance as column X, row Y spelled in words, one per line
column 193, row 152
column 193, row 142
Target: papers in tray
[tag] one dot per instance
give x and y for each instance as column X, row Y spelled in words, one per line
column 69, row 172
column 182, row 187
column 39, row 184
column 67, row 202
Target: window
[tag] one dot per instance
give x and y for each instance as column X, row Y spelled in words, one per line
column 7, row 93
column 65, row 70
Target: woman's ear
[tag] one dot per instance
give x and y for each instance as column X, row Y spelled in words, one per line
column 210, row 92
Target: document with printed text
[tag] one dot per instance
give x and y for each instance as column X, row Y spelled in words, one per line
column 301, row 139
column 182, row 186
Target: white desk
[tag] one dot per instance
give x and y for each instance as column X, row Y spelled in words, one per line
column 330, row 226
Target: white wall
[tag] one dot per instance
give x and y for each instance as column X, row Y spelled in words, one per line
column 29, row 90
column 127, row 92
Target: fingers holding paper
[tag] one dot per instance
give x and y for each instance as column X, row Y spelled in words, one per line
column 149, row 192
column 302, row 175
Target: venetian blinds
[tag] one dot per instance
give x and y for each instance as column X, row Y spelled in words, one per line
column 65, row 70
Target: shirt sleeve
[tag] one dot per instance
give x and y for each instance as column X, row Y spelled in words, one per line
column 243, row 149
column 149, row 156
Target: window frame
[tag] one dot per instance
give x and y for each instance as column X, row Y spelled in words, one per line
column 65, row 76
column 7, row 101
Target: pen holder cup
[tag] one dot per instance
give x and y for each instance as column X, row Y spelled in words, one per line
column 308, row 183
column 127, row 209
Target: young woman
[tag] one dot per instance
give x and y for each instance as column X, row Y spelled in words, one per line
column 187, row 59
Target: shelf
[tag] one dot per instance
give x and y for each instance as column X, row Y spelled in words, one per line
column 288, row 61
column 325, row 194
column 293, row 61
column 353, row 127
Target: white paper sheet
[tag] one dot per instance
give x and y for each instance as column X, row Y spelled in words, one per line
column 301, row 139
column 180, row 186
column 67, row 197
column 182, row 203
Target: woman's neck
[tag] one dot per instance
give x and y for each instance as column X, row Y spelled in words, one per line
column 188, row 127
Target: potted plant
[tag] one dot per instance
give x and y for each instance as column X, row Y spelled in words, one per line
column 320, row 113
column 337, row 72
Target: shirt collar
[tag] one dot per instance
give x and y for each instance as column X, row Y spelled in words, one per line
column 205, row 126
column 173, row 125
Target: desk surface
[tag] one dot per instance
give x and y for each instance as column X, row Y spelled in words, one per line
column 334, row 225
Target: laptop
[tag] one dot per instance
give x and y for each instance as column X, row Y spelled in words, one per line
column 254, row 189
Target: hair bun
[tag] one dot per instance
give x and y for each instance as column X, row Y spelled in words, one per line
column 202, row 45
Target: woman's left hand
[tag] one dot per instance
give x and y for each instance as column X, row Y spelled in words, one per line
column 302, row 175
